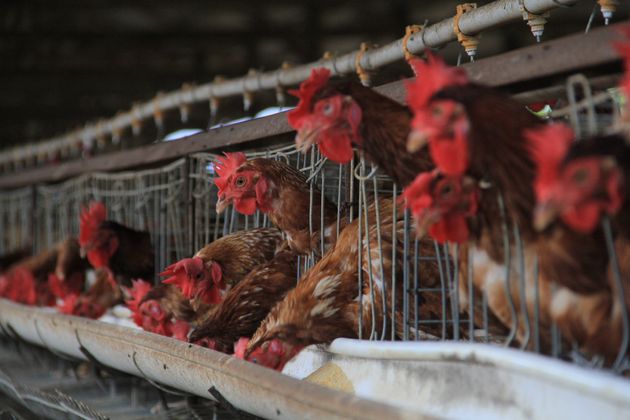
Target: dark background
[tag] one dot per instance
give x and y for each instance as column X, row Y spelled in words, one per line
column 66, row 62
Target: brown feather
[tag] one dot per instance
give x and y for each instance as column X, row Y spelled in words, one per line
column 172, row 301
column 249, row 302
column 103, row 292
column 384, row 128
column 291, row 203
column 240, row 252
column 69, row 260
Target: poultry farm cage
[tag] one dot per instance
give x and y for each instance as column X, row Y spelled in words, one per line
column 176, row 203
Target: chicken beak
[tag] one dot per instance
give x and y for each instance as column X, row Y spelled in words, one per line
column 60, row 274
column 544, row 214
column 305, row 138
column 222, row 204
column 193, row 335
column 416, row 141
column 82, row 252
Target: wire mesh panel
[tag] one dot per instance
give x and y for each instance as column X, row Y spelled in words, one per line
column 16, row 209
column 58, row 210
column 433, row 291
column 519, row 311
column 152, row 200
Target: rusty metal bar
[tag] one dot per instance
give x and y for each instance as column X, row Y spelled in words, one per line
column 440, row 33
column 561, row 56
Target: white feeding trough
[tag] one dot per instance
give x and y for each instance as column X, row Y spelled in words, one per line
column 384, row 380
column 464, row 381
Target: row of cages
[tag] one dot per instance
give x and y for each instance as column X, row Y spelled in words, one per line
column 176, row 204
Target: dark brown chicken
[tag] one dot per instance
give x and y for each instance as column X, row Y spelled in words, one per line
column 33, row 280
column 338, row 116
column 475, row 136
column 328, row 303
column 282, row 192
column 221, row 264
column 69, row 260
column 125, row 251
column 578, row 184
column 248, row 303
column 102, row 295
column 505, row 168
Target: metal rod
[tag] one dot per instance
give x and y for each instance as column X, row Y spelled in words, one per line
column 473, row 22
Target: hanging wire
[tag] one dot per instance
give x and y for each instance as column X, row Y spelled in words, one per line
column 590, row 19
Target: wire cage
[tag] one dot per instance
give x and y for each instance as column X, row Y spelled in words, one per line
column 15, row 219
column 176, row 204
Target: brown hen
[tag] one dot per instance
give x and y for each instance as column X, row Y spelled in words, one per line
column 282, row 192
column 220, row 265
column 248, row 303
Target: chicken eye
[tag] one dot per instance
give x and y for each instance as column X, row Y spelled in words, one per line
column 436, row 111
column 446, row 190
column 240, row 181
column 328, row 109
column 581, row 176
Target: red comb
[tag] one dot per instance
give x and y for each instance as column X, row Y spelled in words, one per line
column 226, row 167
column 549, row 145
column 417, row 194
column 22, row 287
column 68, row 304
column 308, row 88
column 433, row 75
column 137, row 292
column 91, row 219
column 181, row 272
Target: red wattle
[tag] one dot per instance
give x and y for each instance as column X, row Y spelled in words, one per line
column 450, row 155
column 246, row 206
column 337, row 148
column 584, row 218
column 97, row 258
column 450, row 229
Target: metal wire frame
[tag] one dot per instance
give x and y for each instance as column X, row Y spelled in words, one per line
column 590, row 115
column 16, row 209
column 176, row 203
column 521, row 277
column 151, row 200
column 58, row 208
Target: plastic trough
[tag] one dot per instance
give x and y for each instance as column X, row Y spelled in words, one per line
column 369, row 380
column 190, row 368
